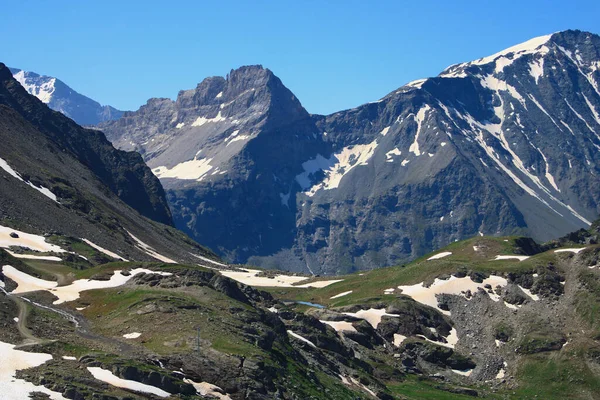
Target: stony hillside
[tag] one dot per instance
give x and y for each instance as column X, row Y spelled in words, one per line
column 492, row 318
column 507, row 144
column 60, row 97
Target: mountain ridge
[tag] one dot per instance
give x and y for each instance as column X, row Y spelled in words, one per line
column 60, row 97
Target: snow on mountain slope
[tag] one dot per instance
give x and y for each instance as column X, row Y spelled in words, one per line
column 506, row 144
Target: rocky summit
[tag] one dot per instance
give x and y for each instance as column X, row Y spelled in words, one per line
column 507, row 144
column 60, row 97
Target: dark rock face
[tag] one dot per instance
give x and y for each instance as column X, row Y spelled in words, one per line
column 507, row 144
column 60, row 97
column 124, row 173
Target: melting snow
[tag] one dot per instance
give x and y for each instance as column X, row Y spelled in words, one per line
column 107, row 376
column 372, row 315
column 69, row 358
column 13, row 360
column 501, row 374
column 28, row 240
column 46, row 192
column 293, row 334
column 440, row 255
column 419, row 119
column 336, row 167
column 249, row 277
column 536, row 69
column 208, row 389
column 133, row 335
column 528, row 293
column 203, row 120
column 511, row 257
column 150, row 251
column 451, row 340
column 341, row 294
column 34, row 257
column 180, row 125
column 454, row 285
column 103, row 250
column 389, row 155
column 577, row 250
column 209, row 260
column 27, row 283
column 340, row 326
column 192, row 170
column 466, row 372
column 398, row 339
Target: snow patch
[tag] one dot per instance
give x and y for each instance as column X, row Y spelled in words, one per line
column 340, row 326
column 577, row 250
column 536, row 69
column 45, row 191
column 510, row 257
column 150, row 250
column 293, row 334
column 341, row 294
column 454, row 285
column 208, row 389
column 28, row 240
column 249, row 277
column 419, row 119
column 103, row 250
column 13, row 360
column 203, row 120
column 440, row 255
column 389, row 155
column 372, row 315
column 107, row 376
column 192, row 170
column 27, row 283
column 398, row 339
column 335, row 167
column 34, row 257
column 133, row 335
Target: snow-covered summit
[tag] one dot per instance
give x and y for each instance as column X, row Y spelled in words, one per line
column 60, row 97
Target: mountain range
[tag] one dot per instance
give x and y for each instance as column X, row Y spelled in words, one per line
column 506, row 144
column 101, row 297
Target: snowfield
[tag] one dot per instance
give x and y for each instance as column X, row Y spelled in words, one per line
column 11, row 361
column 103, row 250
column 27, row 283
column 454, row 285
column 249, row 277
column 28, row 240
column 45, row 191
column 440, row 255
column 107, row 376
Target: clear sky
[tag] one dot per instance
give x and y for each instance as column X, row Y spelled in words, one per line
column 332, row 54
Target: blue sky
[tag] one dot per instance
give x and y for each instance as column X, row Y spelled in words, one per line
column 332, row 54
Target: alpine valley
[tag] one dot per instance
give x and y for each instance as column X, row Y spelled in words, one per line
column 455, row 212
